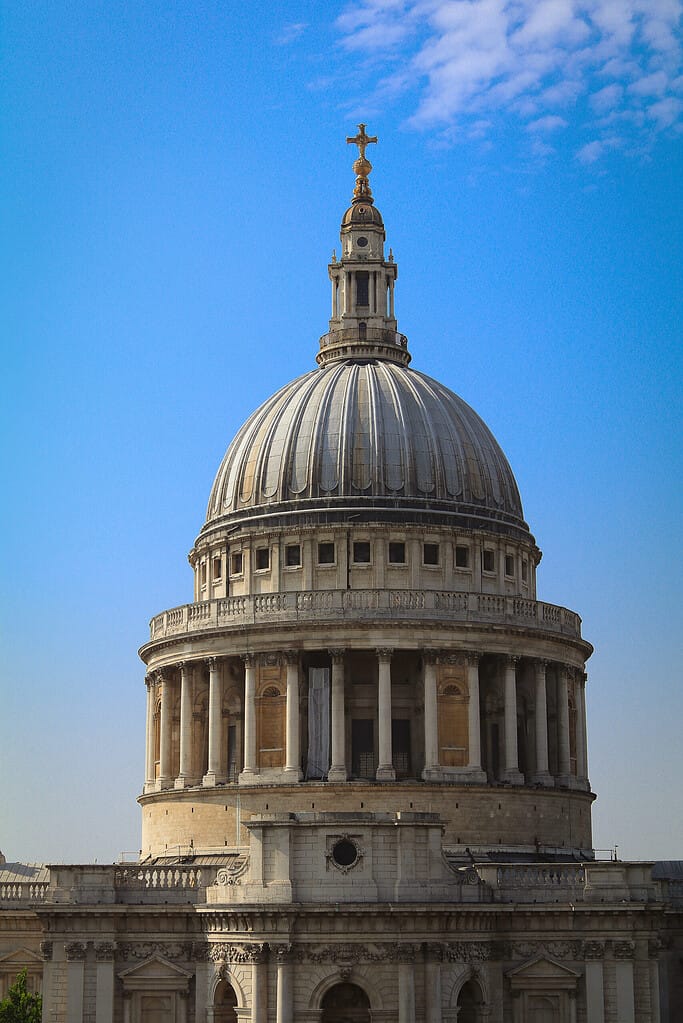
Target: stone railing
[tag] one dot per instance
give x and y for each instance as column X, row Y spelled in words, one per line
column 595, row 881
column 20, row 893
column 175, row 883
column 375, row 334
column 390, row 605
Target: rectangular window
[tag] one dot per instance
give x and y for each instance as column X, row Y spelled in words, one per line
column 430, row 554
column 397, row 553
column 326, row 553
column 217, row 568
column 293, row 555
column 262, row 557
column 525, row 571
column 361, row 552
column 509, row 564
column 236, row 564
column 362, row 290
column 489, row 561
column 202, row 574
column 462, row 557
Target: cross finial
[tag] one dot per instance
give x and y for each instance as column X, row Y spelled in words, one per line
column 362, row 166
column 361, row 140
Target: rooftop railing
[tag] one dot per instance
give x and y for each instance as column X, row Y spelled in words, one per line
column 352, row 605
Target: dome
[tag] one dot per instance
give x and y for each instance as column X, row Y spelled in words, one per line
column 360, row 214
column 373, row 435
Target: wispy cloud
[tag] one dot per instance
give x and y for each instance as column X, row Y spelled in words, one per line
column 290, row 32
column 548, row 65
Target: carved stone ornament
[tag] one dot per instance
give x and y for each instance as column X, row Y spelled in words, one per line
column 452, row 658
column 281, row 953
column 249, row 660
column 624, row 949
column 289, row 656
column 433, row 951
column 384, row 653
column 406, row 953
column 555, row 949
column 593, row 950
column 146, row 949
column 655, row 947
column 105, row 951
column 46, row 950
column 227, row 952
column 469, row 951
column 232, row 874
column 337, row 656
column 75, row 951
column 348, row 843
column 348, row 954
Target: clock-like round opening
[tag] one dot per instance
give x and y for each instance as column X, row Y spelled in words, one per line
column 344, row 852
column 361, row 242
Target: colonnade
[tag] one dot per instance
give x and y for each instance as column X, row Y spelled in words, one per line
column 569, row 721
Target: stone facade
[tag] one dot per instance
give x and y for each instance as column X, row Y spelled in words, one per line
column 366, row 791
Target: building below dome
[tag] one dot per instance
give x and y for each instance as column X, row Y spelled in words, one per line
column 366, row 790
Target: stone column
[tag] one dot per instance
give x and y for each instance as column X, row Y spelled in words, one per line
column 595, row 996
column 149, row 744
column 75, row 970
column 213, row 773
column 104, row 1003
column 582, row 735
column 337, row 772
column 625, row 1007
column 563, row 724
column 512, row 773
column 165, row 768
column 46, row 951
column 185, row 775
column 249, row 718
column 431, row 769
column 259, row 986
column 292, row 741
column 432, row 983
column 542, row 775
column 284, row 997
column 473, row 719
column 385, row 770
column 406, row 985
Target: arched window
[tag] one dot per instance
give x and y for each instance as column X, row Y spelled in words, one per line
column 270, row 723
column 453, row 726
column 345, row 1003
column 470, row 1002
column 225, row 1003
column 157, row 738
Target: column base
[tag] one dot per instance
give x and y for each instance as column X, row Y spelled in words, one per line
column 164, row 783
column 292, row 775
column 513, row 777
column 455, row 775
column 336, row 774
column 386, row 772
column 564, row 781
column 248, row 776
column 183, row 782
column 210, row 779
column 544, row 778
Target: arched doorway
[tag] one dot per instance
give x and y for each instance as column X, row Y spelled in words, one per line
column 470, row 1002
column 345, row 1003
column 225, row 1003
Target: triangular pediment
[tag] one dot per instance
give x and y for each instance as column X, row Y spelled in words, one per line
column 156, row 968
column 542, row 968
column 20, row 956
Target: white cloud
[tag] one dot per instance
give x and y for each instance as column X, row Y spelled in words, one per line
column 556, row 62
column 288, row 33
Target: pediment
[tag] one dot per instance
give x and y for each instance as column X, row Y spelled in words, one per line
column 20, row 956
column 540, row 972
column 155, row 971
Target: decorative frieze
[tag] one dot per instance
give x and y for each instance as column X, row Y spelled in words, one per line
column 105, row 951
column 227, row 952
column 146, row 949
column 75, row 951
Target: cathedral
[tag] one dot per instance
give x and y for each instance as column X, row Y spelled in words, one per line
column 366, row 792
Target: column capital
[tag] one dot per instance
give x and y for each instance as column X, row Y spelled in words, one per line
column 430, row 656
column 337, row 655
column 290, row 656
column 511, row 660
column 282, row 953
column 249, row 660
column 473, row 657
column 406, row 953
column 541, row 663
column 212, row 663
column 150, row 680
column 105, row 951
column 384, row 653
column 162, row 675
column 433, row 952
column 46, row 950
column 75, row 951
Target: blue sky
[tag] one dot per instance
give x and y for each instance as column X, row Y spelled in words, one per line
column 173, row 176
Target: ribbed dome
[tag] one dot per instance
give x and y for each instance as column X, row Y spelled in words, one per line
column 368, row 435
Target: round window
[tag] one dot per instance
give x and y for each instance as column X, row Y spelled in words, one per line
column 344, row 852
column 361, row 242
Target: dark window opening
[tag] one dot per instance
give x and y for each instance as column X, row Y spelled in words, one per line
column 217, row 568
column 293, row 555
column 430, row 554
column 326, row 554
column 345, row 852
column 509, row 564
column 362, row 748
column 525, row 571
column 361, row 552
column 236, row 564
column 489, row 561
column 362, row 288
column 397, row 553
column 462, row 557
column 400, row 747
column 262, row 557
column 203, row 574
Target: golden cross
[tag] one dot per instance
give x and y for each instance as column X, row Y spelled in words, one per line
column 361, row 140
